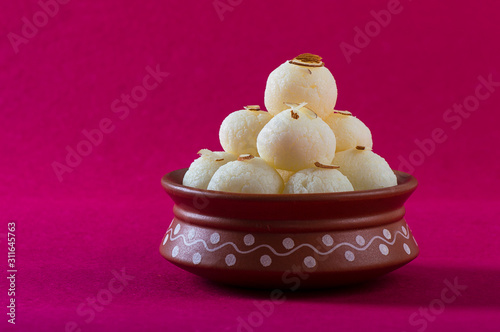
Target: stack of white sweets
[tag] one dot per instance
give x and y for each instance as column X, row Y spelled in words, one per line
column 301, row 145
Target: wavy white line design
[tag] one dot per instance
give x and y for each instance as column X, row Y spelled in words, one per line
column 173, row 238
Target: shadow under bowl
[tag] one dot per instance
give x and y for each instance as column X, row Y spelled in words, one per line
column 289, row 240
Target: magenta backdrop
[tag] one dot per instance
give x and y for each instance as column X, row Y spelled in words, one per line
column 418, row 78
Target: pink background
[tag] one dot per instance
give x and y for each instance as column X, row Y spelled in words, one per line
column 109, row 213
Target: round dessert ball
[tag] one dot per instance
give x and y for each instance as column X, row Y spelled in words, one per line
column 295, row 139
column 349, row 131
column 247, row 174
column 238, row 132
column 322, row 179
column 303, row 79
column 365, row 169
column 202, row 169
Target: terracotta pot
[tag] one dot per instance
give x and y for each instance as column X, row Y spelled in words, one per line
column 289, row 241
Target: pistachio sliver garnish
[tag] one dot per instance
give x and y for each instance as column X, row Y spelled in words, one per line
column 320, row 165
column 246, row 156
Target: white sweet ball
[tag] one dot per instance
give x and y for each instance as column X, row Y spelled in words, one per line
column 365, row 169
column 285, row 175
column 248, row 174
column 202, row 169
column 317, row 180
column 238, row 132
column 295, row 139
column 349, row 130
column 295, row 81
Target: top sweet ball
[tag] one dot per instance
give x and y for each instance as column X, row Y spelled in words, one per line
column 302, row 79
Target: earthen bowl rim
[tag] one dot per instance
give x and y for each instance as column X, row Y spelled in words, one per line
column 407, row 183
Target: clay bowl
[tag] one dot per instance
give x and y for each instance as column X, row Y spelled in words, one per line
column 289, row 241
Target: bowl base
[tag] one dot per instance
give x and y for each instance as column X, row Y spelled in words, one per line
column 299, row 260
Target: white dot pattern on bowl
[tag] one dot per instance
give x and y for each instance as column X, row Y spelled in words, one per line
column 196, row 258
column 309, row 262
column 407, row 248
column 327, row 240
column 349, row 255
column 177, row 229
column 214, row 238
column 249, row 239
column 230, row 260
column 387, row 234
column 288, row 243
column 265, row 260
column 383, row 249
column 360, row 240
column 175, row 251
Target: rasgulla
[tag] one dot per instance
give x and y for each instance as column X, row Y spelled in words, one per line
column 303, row 79
column 247, row 174
column 365, row 169
column 202, row 169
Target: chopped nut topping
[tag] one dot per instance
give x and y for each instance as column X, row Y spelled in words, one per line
column 320, row 165
column 301, row 107
column 244, row 157
column 308, row 57
column 221, row 159
column 295, row 106
column 204, row 151
column 307, row 60
column 342, row 112
column 309, row 112
column 360, row 147
column 252, row 107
